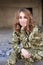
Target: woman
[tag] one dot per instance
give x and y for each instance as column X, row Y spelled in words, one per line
column 26, row 40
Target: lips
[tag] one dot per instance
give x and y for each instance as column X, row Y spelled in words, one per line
column 23, row 23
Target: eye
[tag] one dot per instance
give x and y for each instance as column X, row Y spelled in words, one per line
column 20, row 17
column 25, row 17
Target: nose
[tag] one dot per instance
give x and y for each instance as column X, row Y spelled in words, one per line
column 22, row 19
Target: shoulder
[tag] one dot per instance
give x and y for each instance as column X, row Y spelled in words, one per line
column 15, row 37
column 36, row 29
column 34, row 33
column 14, row 34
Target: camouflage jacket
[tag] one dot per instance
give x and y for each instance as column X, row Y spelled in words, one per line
column 32, row 42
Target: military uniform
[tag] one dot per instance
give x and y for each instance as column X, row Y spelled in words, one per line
column 32, row 42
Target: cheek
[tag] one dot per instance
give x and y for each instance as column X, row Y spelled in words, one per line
column 19, row 20
column 23, row 23
column 25, row 20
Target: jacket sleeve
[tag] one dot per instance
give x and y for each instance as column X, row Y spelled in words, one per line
column 15, row 41
column 36, row 41
column 23, row 38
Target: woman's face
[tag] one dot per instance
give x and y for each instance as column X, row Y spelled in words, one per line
column 22, row 19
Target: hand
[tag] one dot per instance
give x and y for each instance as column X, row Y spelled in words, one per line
column 22, row 28
column 23, row 25
column 25, row 53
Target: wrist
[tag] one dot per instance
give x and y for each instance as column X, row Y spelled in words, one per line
column 22, row 49
column 22, row 28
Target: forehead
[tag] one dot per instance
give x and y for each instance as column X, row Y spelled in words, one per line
column 21, row 14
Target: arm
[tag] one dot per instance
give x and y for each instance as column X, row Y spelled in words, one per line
column 23, row 39
column 15, row 41
column 36, row 43
column 35, row 36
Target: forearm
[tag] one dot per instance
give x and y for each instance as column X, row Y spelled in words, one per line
column 15, row 41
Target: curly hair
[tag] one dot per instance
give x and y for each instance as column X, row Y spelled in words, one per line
column 30, row 22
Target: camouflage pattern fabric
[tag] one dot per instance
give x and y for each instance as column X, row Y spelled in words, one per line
column 32, row 42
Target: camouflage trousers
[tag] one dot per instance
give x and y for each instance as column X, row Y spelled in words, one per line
column 15, row 57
